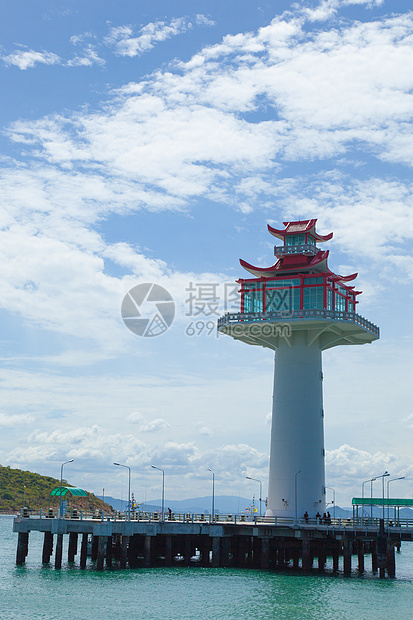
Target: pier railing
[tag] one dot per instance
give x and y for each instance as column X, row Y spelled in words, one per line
column 220, row 519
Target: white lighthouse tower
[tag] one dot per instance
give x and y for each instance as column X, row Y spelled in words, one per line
column 298, row 308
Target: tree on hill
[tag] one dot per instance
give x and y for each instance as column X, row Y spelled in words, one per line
column 18, row 487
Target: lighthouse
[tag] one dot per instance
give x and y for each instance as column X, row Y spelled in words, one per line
column 298, row 308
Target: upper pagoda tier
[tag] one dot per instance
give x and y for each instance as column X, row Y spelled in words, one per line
column 299, row 254
column 302, row 227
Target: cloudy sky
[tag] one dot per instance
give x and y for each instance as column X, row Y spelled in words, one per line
column 152, row 142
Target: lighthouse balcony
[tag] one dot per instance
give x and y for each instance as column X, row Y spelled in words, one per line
column 306, row 248
column 296, row 316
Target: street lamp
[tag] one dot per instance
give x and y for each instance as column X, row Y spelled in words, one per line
column 24, row 496
column 334, row 500
column 128, row 468
column 163, row 489
column 61, row 484
column 383, row 476
column 371, row 480
column 388, row 496
column 295, row 493
column 213, row 493
column 256, row 480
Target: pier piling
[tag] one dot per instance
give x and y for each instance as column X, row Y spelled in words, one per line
column 47, row 547
column 22, row 548
column 59, row 551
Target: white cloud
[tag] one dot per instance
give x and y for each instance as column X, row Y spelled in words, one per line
column 204, row 430
column 88, row 58
column 26, row 59
column 10, row 420
column 148, row 36
column 347, row 467
column 155, row 426
column 203, row 20
column 148, row 426
column 329, row 8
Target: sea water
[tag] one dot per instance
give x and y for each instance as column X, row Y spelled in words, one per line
column 34, row 592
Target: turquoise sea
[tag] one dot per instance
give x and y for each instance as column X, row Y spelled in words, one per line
column 34, row 592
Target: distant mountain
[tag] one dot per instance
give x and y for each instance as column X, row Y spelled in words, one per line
column 223, row 504
column 122, row 504
column 20, row 488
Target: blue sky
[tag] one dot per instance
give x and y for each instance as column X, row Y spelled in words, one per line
column 153, row 142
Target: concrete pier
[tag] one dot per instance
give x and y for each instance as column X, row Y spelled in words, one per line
column 241, row 544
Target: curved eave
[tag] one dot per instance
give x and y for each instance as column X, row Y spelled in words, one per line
column 349, row 278
column 309, row 229
column 317, row 264
column 260, row 272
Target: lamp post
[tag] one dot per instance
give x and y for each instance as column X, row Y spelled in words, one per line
column 371, row 496
column 256, row 480
column 163, row 489
column 128, row 468
column 371, row 480
column 383, row 476
column 295, row 493
column 61, row 484
column 213, row 493
column 388, row 496
column 24, row 496
column 334, row 501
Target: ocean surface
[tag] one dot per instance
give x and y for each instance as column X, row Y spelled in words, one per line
column 34, row 592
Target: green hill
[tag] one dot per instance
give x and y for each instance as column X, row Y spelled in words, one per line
column 18, row 487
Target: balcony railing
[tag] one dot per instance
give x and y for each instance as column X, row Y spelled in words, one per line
column 306, row 248
column 293, row 315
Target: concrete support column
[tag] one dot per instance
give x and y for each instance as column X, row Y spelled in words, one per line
column 382, row 551
column 47, row 547
column 72, row 550
column 147, row 551
column 274, row 556
column 94, row 550
column 216, row 552
column 321, row 559
column 296, row 558
column 265, row 553
column 374, row 562
column 204, row 549
column 360, row 555
column 256, row 547
column 347, row 548
column 335, row 554
column 225, row 551
column 102, row 541
column 109, row 551
column 124, row 551
column 281, row 557
column 59, row 551
column 188, row 552
column 168, row 550
column 391, row 560
column 22, row 548
column 242, row 550
column 307, row 555
column 83, row 551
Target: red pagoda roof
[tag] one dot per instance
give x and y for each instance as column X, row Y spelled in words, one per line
column 288, row 265
column 302, row 226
